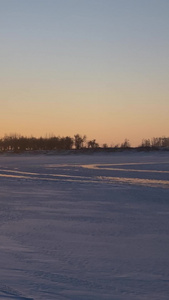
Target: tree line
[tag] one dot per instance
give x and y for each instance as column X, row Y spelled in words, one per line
column 158, row 142
column 18, row 143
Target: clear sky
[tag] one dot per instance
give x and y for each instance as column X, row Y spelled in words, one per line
column 94, row 67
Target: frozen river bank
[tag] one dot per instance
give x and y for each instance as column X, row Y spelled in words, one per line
column 84, row 227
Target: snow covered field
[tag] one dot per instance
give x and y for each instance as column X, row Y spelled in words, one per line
column 84, row 227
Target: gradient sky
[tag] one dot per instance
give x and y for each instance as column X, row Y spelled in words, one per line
column 94, row 67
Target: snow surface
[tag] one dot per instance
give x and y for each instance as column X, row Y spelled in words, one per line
column 84, row 227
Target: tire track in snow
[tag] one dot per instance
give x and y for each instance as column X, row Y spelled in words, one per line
column 34, row 176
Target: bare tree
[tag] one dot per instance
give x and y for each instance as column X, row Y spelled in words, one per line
column 92, row 144
column 125, row 144
column 79, row 141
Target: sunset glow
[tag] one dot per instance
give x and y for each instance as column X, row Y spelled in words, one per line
column 93, row 67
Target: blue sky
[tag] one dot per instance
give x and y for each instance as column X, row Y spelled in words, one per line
column 100, row 68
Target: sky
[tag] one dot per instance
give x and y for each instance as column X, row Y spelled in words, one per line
column 93, row 67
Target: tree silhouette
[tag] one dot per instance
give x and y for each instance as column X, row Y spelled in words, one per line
column 125, row 144
column 92, row 144
column 79, row 141
column 17, row 143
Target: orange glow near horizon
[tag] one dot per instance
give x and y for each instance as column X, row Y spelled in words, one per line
column 106, row 121
column 70, row 69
